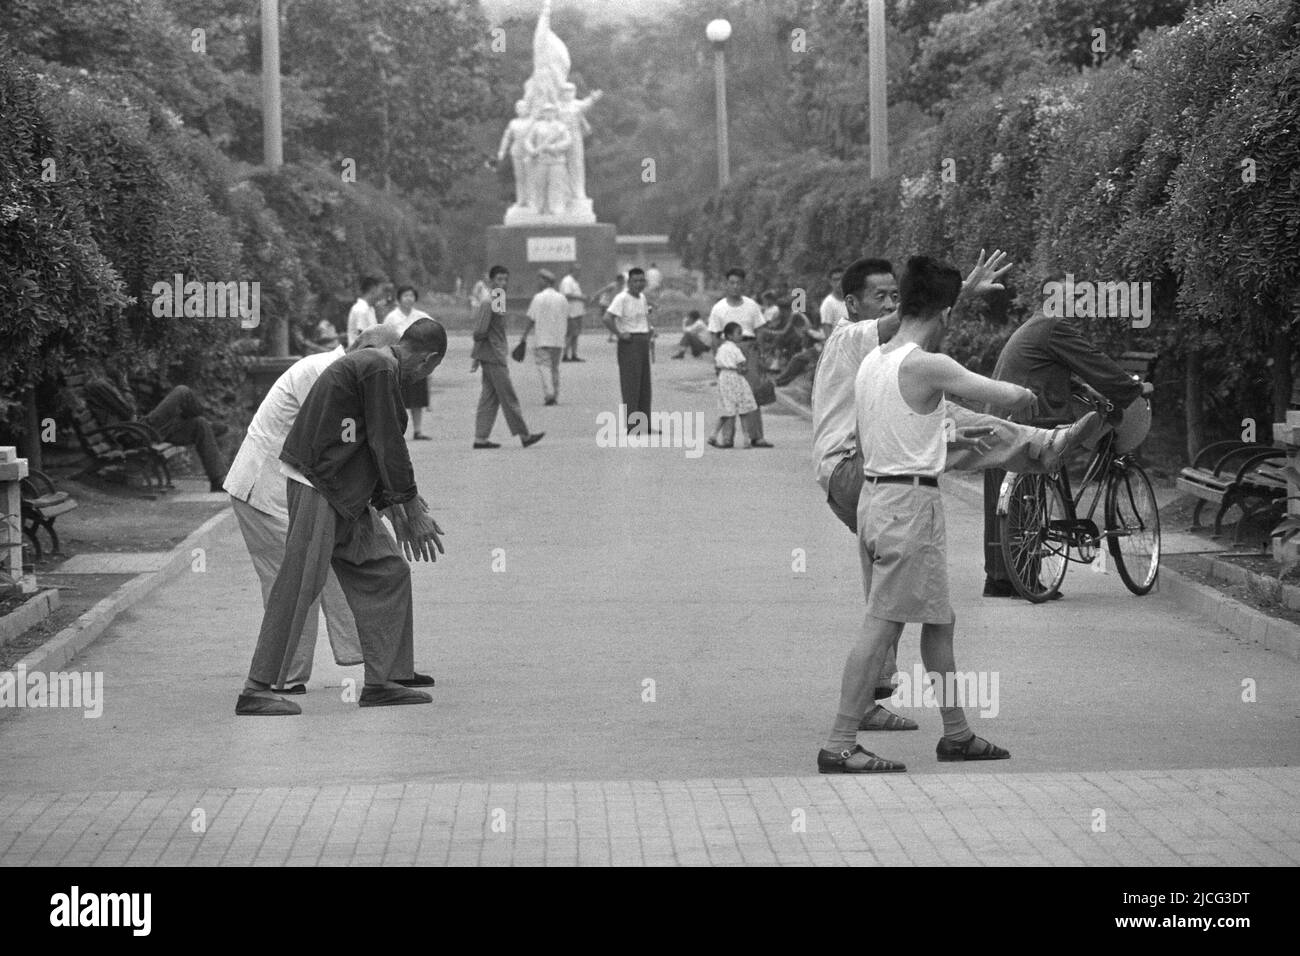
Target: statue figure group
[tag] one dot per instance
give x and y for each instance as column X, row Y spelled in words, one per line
column 545, row 146
column 545, row 139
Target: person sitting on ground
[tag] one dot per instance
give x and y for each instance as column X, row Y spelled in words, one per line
column 179, row 418
column 695, row 336
column 811, row 338
column 735, row 397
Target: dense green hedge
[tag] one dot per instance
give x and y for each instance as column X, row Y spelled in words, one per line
column 136, row 197
column 1130, row 172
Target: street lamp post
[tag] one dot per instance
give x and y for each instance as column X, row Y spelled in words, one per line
column 718, row 31
column 878, row 123
column 272, row 136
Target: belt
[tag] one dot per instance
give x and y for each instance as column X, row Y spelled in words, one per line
column 926, row 480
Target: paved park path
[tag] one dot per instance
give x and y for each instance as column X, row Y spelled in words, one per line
column 575, row 576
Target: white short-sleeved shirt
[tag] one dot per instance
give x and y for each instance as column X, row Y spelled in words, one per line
column 835, row 415
column 832, row 311
column 549, row 310
column 748, row 314
column 631, row 313
column 728, row 356
column 402, row 322
column 569, row 286
column 360, row 318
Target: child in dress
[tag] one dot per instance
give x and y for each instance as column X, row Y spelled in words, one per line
column 735, row 397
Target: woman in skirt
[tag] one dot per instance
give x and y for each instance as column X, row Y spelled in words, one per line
column 416, row 396
column 735, row 397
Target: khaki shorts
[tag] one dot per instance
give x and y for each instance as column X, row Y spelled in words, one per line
column 902, row 545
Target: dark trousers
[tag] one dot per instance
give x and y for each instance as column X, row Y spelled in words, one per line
column 374, row 576
column 498, row 394
column 994, row 568
column 178, row 418
column 634, row 374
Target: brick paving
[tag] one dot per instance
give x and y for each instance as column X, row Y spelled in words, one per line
column 1240, row 817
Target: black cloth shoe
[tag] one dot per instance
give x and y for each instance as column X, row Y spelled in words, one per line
column 391, row 697
column 994, row 588
column 532, row 439
column 830, row 762
column 419, row 680
column 295, row 689
column 257, row 705
column 976, row 748
column 486, row 444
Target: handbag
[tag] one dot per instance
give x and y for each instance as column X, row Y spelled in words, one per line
column 518, row 352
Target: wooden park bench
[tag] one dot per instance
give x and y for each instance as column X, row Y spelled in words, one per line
column 41, row 504
column 1228, row 473
column 114, row 448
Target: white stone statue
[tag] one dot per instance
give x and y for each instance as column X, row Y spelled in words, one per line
column 573, row 113
column 548, row 145
column 545, row 140
column 513, row 142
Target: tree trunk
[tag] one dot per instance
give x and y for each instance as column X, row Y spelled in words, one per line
column 1281, row 371
column 1193, row 403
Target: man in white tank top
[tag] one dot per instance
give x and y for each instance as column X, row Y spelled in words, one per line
column 979, row 442
column 900, row 393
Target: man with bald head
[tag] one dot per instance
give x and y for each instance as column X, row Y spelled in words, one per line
column 345, row 460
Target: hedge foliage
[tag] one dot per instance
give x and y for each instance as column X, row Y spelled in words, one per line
column 1178, row 166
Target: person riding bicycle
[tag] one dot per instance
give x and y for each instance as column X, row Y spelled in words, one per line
column 1042, row 355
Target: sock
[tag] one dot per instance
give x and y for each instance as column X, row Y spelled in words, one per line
column 251, row 684
column 955, row 727
column 844, row 735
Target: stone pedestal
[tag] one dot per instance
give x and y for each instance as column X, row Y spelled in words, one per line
column 1287, row 435
column 527, row 247
column 12, row 471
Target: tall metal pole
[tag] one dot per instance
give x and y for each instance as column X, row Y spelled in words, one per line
column 272, row 136
column 876, row 76
column 720, row 86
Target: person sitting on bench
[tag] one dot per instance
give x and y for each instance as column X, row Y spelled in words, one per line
column 179, row 418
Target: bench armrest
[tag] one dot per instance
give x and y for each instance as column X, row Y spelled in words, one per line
column 1251, row 463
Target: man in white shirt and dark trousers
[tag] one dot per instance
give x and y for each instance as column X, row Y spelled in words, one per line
column 572, row 291
column 258, row 496
column 741, row 309
column 362, row 316
column 548, row 312
column 628, row 317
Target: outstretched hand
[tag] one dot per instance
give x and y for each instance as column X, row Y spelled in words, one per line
column 985, row 274
column 417, row 531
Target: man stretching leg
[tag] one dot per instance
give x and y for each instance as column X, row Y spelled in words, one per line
column 900, row 393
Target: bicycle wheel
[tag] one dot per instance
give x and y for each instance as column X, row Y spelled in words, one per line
column 1133, row 527
column 1033, row 551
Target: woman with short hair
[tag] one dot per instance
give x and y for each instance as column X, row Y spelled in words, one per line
column 415, row 397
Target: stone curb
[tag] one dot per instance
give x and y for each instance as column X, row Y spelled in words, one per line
column 1273, row 633
column 30, row 613
column 1234, row 574
column 57, row 652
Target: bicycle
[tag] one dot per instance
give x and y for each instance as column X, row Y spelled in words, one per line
column 1039, row 521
